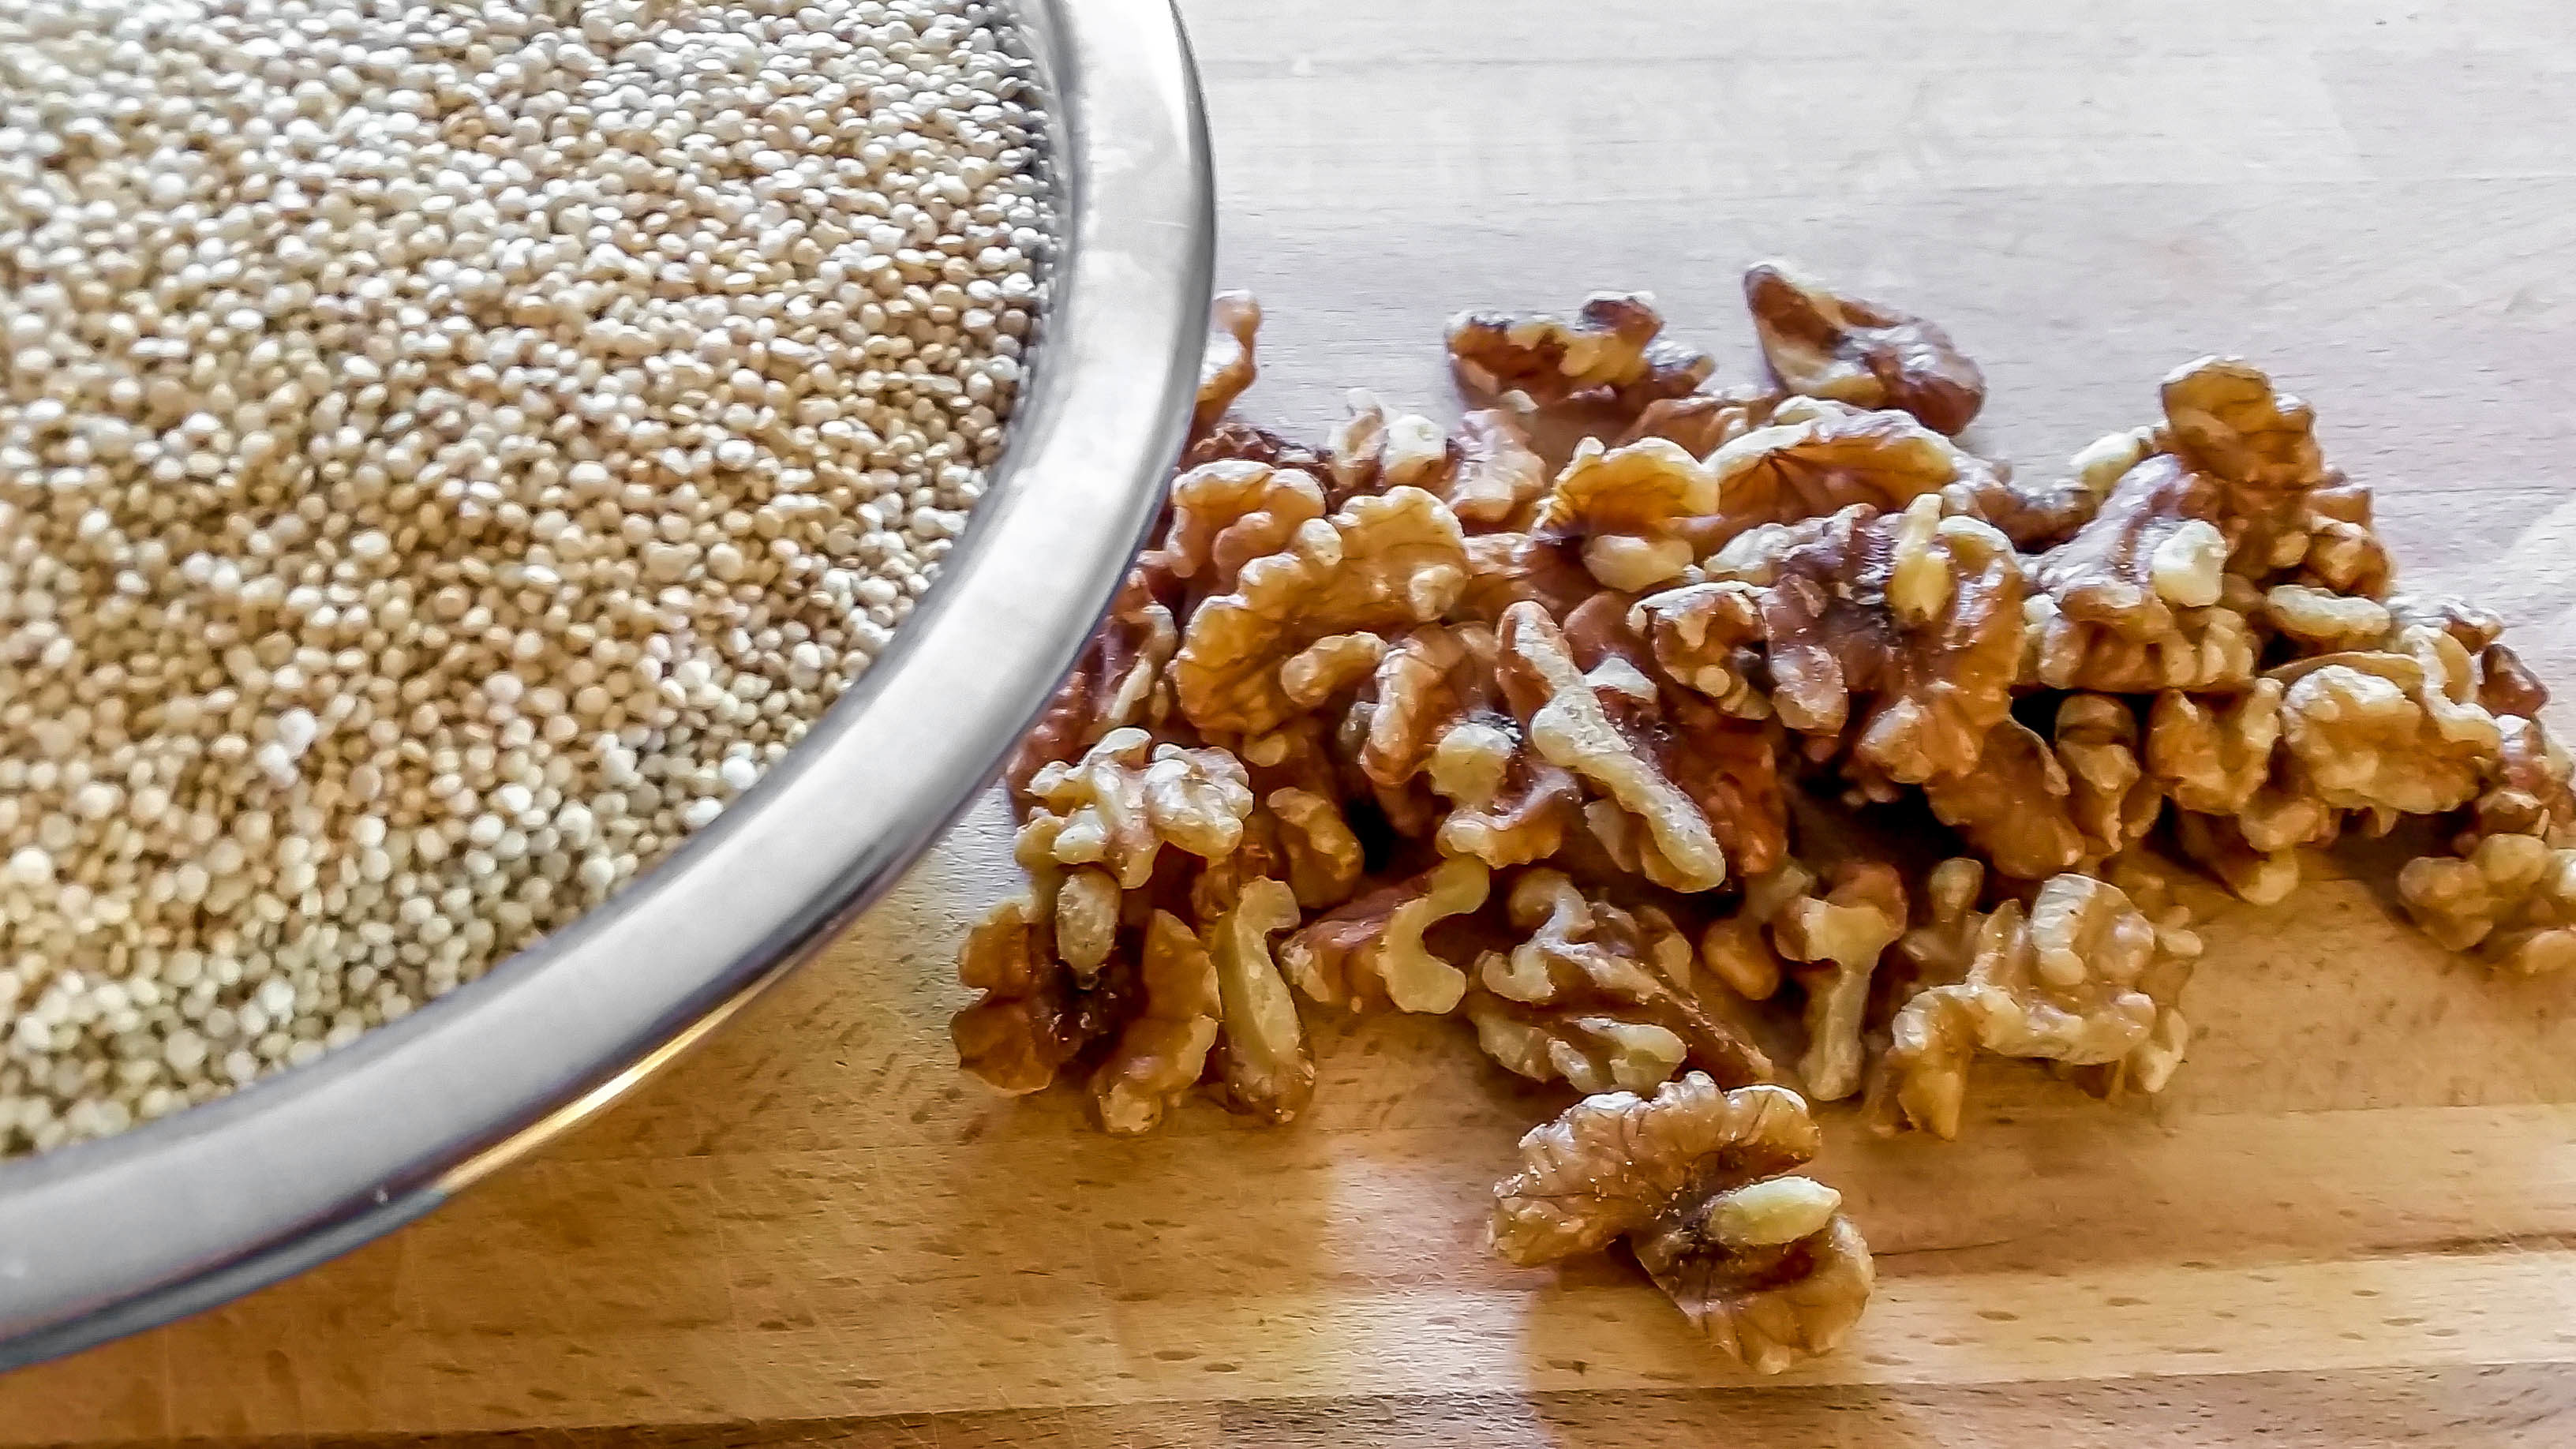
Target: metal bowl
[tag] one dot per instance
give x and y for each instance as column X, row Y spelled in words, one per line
column 108, row 1237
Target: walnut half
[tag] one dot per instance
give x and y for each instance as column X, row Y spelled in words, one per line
column 1824, row 343
column 1032, row 1018
column 1700, row 1182
column 1265, row 1065
column 1839, row 936
column 1230, row 364
column 1601, row 997
column 2061, row 982
column 1575, row 722
column 1128, row 797
column 2085, row 977
column 1610, row 349
column 2512, row 901
column 1384, row 562
column 1626, row 507
column 1903, row 629
column 1370, row 949
column 1161, row 1050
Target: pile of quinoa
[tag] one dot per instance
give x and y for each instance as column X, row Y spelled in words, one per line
column 447, row 452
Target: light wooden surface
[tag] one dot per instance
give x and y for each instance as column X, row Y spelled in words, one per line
column 2353, row 1220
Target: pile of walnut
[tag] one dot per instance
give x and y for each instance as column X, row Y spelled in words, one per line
column 1422, row 721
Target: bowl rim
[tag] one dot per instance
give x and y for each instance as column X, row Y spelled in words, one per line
column 104, row 1238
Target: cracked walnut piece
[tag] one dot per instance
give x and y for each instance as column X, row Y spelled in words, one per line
column 1431, row 681
column 2227, row 420
column 2340, row 549
column 2527, row 790
column 1495, row 477
column 1572, row 727
column 1905, row 629
column 1920, row 1080
column 2244, row 806
column 2082, row 977
column 1323, row 855
column 2474, row 627
column 1827, row 344
column 2288, row 517
column 1818, row 457
column 1234, row 320
column 2506, row 685
column 1699, row 1181
column 2153, row 547
column 1372, row 452
column 2211, row 648
column 2396, row 729
column 1506, row 805
column 1244, row 443
column 1737, row 949
column 1384, row 562
column 1705, row 422
column 1590, row 1052
column 1600, row 997
column 1727, row 769
column 1166, row 1002
column 1128, row 797
column 1486, row 471
column 2150, row 1066
column 1161, row 1049
column 2140, row 598
column 2213, row 754
column 1329, row 668
column 1434, row 710
column 2261, row 875
column 1370, row 949
column 1061, row 971
column 2060, row 982
column 2015, row 806
column 1030, row 1019
column 1611, row 349
column 2111, row 800
column 1624, row 507
column 1504, row 569
column 1708, row 636
column 1226, row 514
column 2321, row 621
column 2512, row 901
column 1729, row 766
column 1839, row 938
column 2040, row 516
column 1262, row 1054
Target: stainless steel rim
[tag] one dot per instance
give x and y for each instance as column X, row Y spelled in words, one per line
column 106, row 1238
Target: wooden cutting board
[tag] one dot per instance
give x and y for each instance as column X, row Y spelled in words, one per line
column 2351, row 1222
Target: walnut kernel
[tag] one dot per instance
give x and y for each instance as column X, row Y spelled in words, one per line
column 1611, row 349
column 1700, row 1181
column 1827, row 344
column 1370, row 949
column 1384, row 562
column 1230, row 365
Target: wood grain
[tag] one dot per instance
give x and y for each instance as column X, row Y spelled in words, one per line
column 2351, row 1223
